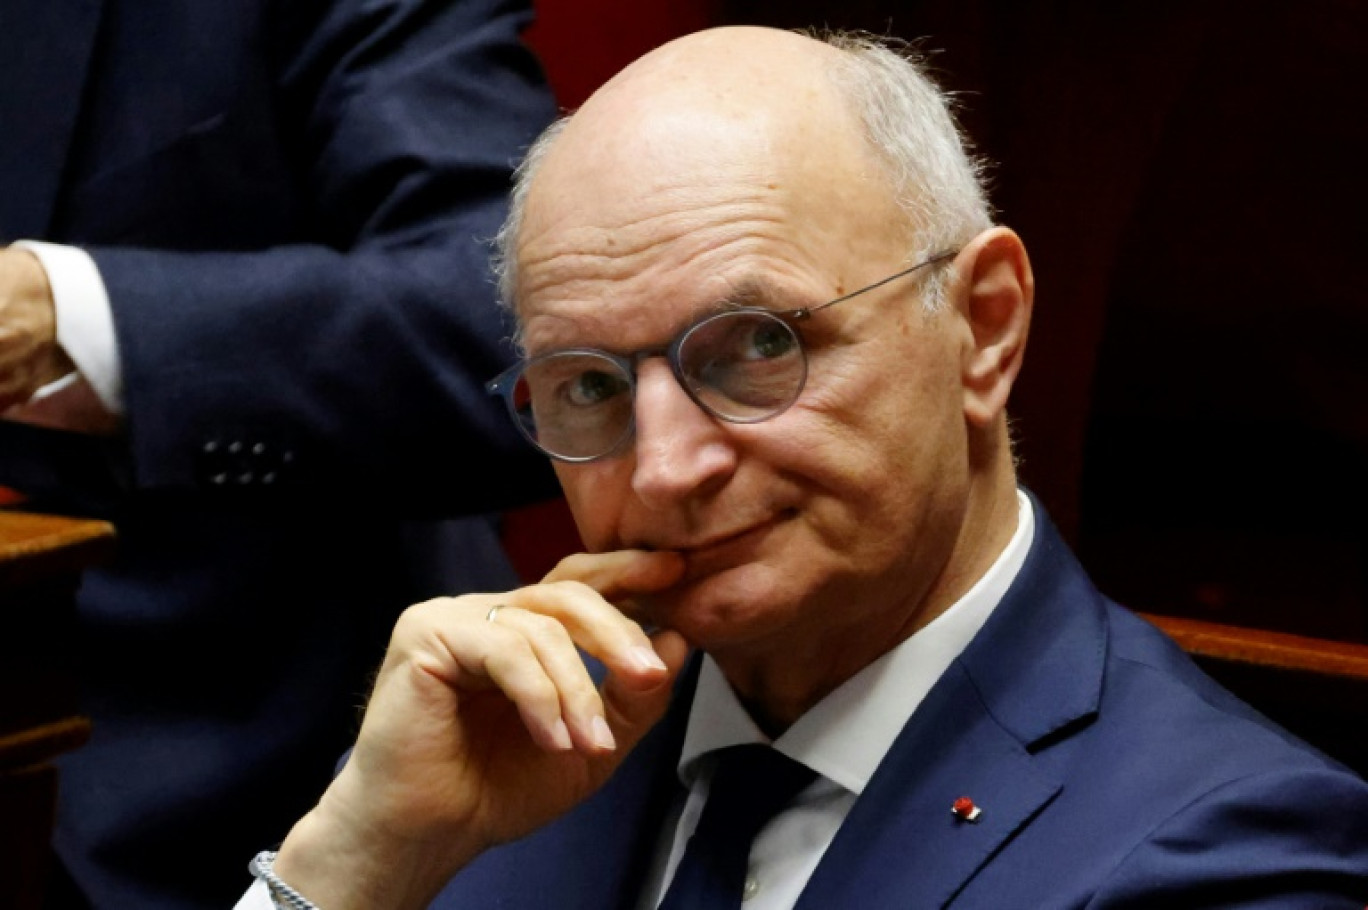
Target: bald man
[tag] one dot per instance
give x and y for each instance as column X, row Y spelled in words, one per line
column 770, row 331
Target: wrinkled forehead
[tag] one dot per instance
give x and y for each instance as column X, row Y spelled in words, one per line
column 692, row 191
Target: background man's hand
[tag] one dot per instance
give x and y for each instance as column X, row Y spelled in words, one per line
column 29, row 355
column 479, row 731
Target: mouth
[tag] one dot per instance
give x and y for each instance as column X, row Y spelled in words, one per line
column 724, row 551
column 705, row 557
column 721, row 541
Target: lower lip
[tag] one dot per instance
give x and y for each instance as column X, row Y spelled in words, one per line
column 725, row 554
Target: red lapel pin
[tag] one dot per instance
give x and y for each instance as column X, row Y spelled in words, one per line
column 965, row 809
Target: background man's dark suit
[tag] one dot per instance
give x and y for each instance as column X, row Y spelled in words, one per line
column 287, row 203
column 1109, row 770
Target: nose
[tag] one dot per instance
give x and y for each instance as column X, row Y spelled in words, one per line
column 681, row 450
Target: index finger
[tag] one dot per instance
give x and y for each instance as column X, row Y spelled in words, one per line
column 620, row 573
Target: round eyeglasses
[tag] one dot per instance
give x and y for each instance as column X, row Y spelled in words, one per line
column 742, row 366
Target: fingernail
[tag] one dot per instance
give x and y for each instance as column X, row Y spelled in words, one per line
column 603, row 737
column 646, row 658
column 560, row 736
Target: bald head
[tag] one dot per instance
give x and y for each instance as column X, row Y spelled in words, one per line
column 739, row 71
column 726, row 100
column 781, row 110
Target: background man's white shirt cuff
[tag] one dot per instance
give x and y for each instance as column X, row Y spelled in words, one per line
column 85, row 323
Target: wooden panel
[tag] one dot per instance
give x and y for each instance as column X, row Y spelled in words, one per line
column 1315, row 688
column 27, row 798
column 41, row 558
column 36, row 546
column 1234, row 644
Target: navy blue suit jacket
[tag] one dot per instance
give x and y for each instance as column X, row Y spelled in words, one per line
column 1110, row 772
column 290, row 205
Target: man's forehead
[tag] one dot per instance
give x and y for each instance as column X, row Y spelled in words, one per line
column 626, row 322
column 624, row 175
column 675, row 178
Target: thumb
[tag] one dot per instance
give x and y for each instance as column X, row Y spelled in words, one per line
column 632, row 708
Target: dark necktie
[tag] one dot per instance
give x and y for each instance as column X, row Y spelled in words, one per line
column 749, row 787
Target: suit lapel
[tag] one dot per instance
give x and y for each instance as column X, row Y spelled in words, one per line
column 901, row 837
column 1031, row 678
column 45, row 52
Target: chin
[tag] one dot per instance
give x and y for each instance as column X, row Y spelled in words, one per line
column 718, row 608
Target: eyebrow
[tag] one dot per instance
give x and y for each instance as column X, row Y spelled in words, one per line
column 757, row 290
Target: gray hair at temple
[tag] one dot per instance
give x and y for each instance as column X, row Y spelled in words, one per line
column 909, row 122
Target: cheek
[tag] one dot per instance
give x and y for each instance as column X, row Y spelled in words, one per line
column 857, row 438
column 595, row 493
column 878, row 453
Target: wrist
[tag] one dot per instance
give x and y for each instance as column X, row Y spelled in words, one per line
column 339, row 861
column 27, row 303
column 283, row 896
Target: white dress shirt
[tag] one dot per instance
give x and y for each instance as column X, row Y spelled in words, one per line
column 843, row 738
column 85, row 325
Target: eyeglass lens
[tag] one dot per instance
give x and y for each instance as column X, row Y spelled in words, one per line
column 742, row 366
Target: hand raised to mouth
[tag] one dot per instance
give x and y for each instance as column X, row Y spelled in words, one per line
column 483, row 725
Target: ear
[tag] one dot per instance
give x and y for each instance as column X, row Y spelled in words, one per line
column 995, row 293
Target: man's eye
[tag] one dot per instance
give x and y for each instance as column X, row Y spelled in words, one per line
column 594, row 387
column 771, row 341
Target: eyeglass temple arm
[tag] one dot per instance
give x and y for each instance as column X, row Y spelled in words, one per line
column 806, row 312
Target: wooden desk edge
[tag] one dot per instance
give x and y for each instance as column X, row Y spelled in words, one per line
column 33, row 545
column 1263, row 648
column 39, row 745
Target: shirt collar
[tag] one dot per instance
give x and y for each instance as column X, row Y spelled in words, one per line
column 846, row 734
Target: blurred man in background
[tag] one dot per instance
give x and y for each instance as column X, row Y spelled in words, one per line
column 245, row 315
